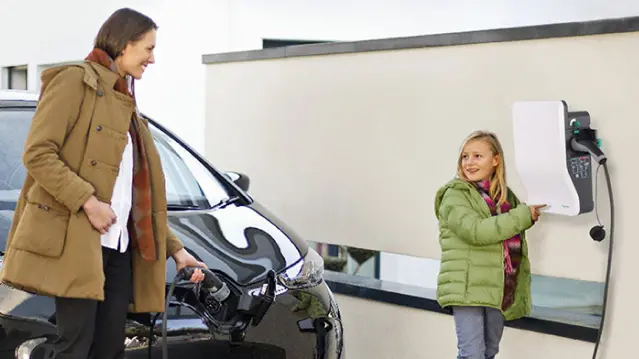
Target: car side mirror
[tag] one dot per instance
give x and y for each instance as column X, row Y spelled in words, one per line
column 240, row 179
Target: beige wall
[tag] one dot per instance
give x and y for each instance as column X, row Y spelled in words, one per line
column 350, row 149
column 386, row 331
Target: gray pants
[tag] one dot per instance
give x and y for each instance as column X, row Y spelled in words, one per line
column 479, row 332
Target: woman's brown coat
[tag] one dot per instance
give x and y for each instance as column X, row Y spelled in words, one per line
column 73, row 151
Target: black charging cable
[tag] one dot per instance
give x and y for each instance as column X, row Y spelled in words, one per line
column 597, row 233
column 152, row 327
column 212, row 284
column 610, row 250
column 176, row 279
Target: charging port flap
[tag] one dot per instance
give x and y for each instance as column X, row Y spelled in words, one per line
column 257, row 306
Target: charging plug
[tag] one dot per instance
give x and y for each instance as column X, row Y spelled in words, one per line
column 211, row 283
column 585, row 140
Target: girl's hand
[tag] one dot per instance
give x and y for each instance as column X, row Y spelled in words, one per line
column 535, row 211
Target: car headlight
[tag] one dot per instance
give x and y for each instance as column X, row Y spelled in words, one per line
column 307, row 274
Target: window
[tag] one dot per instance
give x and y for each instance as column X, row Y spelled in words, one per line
column 570, row 295
column 14, row 125
column 15, row 78
column 188, row 182
column 271, row 43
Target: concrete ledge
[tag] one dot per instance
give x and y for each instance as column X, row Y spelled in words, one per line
column 562, row 323
column 536, row 32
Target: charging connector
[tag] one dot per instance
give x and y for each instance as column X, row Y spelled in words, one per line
column 585, row 140
column 212, row 284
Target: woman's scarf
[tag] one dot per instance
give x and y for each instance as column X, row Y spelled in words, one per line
column 140, row 224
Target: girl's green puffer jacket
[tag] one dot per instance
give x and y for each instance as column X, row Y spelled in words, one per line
column 472, row 262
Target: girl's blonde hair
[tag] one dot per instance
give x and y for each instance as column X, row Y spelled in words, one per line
column 498, row 188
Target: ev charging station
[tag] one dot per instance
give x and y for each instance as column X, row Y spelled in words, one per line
column 554, row 154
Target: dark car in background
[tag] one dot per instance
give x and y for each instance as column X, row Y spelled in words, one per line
column 280, row 308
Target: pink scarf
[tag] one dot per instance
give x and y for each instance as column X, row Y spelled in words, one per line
column 512, row 246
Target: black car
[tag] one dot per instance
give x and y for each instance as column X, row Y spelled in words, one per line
column 279, row 307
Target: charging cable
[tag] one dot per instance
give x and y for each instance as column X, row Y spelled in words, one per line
column 609, row 266
column 584, row 141
column 212, row 284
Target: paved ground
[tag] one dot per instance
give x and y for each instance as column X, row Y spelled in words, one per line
column 207, row 350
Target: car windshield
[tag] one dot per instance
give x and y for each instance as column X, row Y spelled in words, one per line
column 189, row 184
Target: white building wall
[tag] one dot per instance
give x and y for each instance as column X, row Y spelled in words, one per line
column 38, row 33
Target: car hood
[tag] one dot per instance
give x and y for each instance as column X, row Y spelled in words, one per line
column 243, row 242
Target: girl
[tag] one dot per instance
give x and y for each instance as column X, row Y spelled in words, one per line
column 90, row 227
column 485, row 273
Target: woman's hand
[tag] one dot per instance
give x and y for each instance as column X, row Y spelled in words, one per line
column 185, row 259
column 535, row 211
column 100, row 214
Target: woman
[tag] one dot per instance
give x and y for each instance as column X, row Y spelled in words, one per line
column 90, row 227
column 485, row 272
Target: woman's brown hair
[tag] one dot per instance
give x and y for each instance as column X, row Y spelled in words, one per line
column 122, row 27
column 498, row 187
